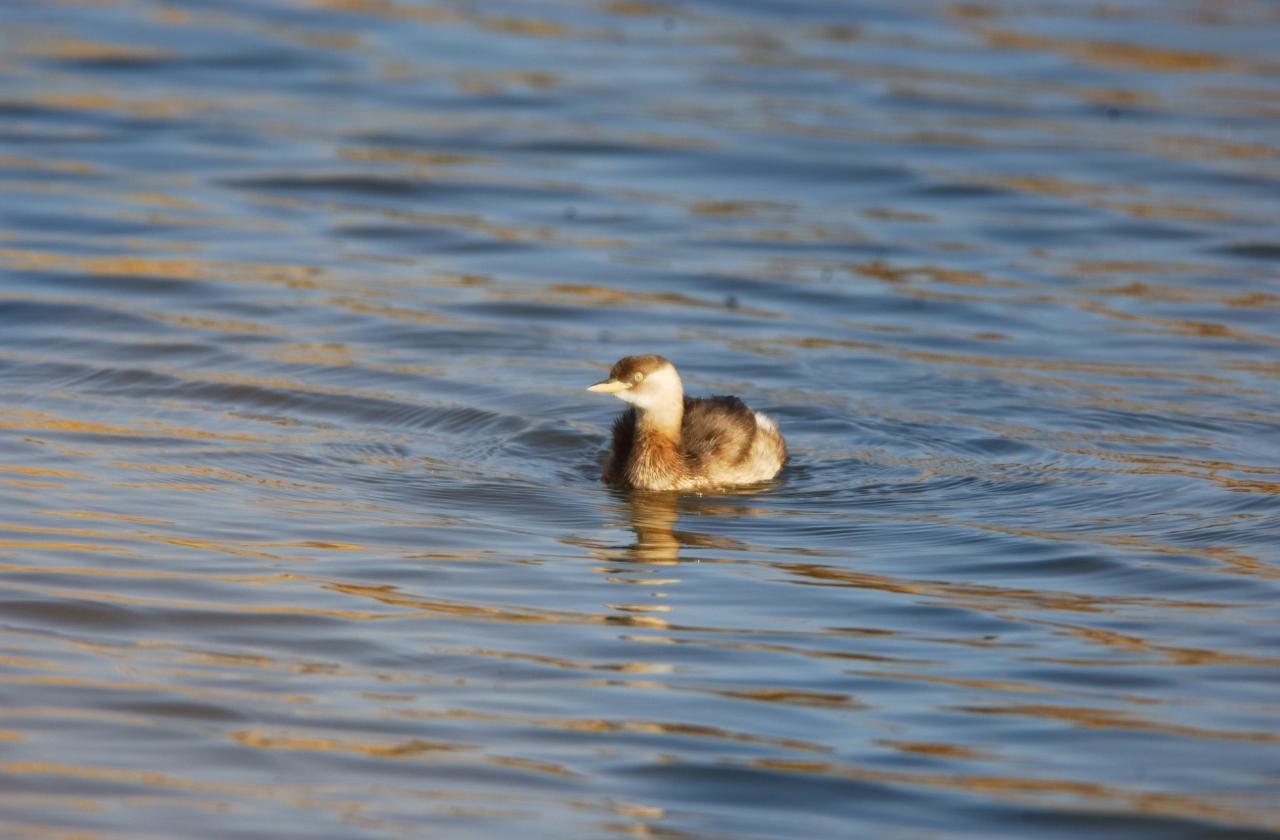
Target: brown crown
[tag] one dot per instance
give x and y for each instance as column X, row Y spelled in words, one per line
column 626, row 367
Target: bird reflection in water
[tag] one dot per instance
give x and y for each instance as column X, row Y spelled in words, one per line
column 653, row 517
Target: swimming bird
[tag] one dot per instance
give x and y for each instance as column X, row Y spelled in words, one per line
column 667, row 441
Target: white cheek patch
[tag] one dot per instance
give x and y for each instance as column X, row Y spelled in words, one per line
column 645, row 400
column 659, row 390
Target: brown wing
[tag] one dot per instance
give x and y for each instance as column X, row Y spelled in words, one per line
column 717, row 430
column 624, row 433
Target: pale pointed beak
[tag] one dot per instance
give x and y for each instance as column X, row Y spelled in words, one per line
column 608, row 386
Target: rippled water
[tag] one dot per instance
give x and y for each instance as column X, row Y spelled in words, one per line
column 300, row 531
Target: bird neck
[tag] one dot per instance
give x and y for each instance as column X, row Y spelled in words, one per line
column 659, row 403
column 664, row 418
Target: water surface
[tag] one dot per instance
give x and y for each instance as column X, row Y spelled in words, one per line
column 300, row 527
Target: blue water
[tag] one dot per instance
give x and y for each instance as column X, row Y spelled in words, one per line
column 301, row 532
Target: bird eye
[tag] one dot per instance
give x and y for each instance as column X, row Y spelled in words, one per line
column 637, row 376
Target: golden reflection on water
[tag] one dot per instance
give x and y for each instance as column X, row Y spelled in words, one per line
column 29, row 420
column 1112, row 719
column 322, row 798
column 299, row 276
column 1126, row 55
column 1084, row 796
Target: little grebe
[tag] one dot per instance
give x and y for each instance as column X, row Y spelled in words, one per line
column 667, row 441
